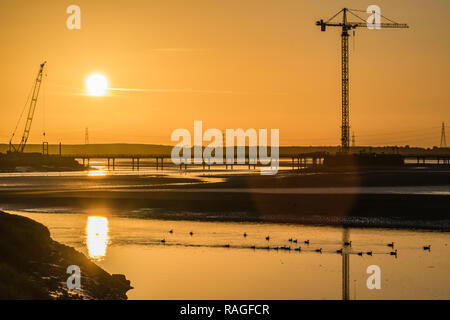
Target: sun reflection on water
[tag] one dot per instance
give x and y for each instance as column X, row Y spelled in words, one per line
column 97, row 237
column 97, row 173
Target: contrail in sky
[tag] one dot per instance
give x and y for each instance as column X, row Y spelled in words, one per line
column 194, row 91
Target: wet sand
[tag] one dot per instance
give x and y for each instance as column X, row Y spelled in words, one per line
column 239, row 197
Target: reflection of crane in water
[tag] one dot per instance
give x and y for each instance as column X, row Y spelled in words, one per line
column 345, row 266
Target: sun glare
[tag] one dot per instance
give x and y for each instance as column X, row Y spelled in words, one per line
column 96, row 85
column 97, row 237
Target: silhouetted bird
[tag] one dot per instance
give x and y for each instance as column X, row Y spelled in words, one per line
column 298, row 249
column 306, row 242
column 253, row 247
column 290, row 240
column 163, row 241
column 427, row 247
column 319, row 250
column 369, row 253
column 348, row 243
column 393, row 253
column 360, row 253
column 294, row 241
column 245, row 234
column 339, row 251
column 391, row 244
column 191, row 233
column 267, row 238
column 171, row 231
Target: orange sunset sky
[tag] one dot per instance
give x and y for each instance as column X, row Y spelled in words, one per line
column 231, row 64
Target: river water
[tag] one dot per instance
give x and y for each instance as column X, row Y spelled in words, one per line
column 202, row 266
column 167, row 259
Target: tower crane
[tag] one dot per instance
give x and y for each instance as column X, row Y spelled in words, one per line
column 346, row 26
column 31, row 108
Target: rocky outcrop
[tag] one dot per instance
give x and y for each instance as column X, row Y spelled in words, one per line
column 34, row 266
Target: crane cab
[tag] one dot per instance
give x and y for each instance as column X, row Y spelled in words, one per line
column 322, row 25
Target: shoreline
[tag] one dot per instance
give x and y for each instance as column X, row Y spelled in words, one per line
column 284, row 198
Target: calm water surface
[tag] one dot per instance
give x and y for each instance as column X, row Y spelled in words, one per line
column 202, row 266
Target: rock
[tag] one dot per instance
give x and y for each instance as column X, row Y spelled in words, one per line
column 33, row 266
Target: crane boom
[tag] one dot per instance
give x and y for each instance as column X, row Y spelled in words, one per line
column 346, row 26
column 31, row 109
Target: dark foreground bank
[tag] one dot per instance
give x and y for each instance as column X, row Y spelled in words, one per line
column 33, row 266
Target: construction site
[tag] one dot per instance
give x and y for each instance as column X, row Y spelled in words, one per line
column 42, row 157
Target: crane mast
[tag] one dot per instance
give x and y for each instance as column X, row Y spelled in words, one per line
column 31, row 109
column 345, row 126
column 346, row 26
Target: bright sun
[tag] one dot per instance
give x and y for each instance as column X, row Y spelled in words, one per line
column 97, row 84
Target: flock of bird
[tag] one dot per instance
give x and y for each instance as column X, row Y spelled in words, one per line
column 346, row 244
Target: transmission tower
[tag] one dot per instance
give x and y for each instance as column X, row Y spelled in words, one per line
column 443, row 140
column 347, row 26
column 86, row 136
